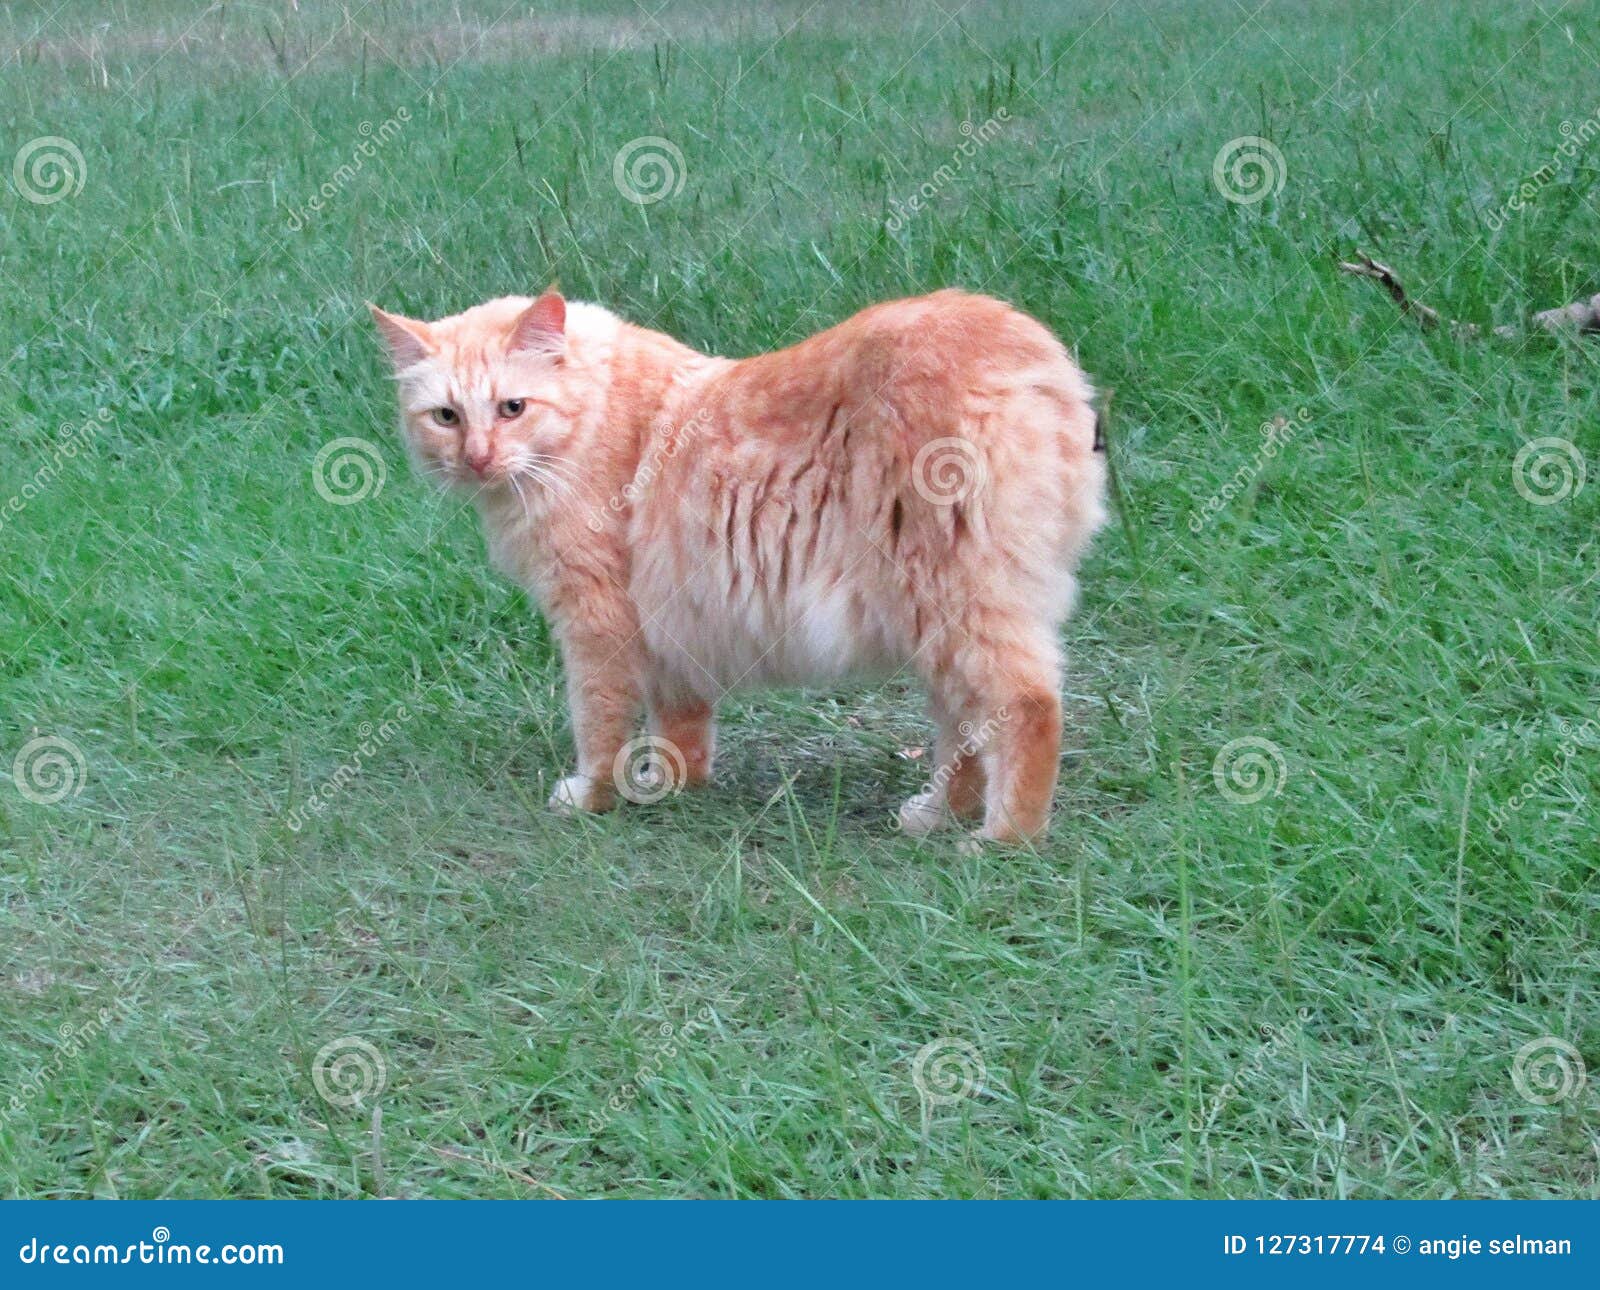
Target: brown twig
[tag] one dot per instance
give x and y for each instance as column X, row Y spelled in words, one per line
column 1583, row 315
column 1580, row 316
column 1382, row 273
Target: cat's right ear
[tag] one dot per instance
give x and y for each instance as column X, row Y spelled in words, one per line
column 408, row 339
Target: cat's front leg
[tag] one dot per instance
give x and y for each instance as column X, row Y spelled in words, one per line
column 603, row 698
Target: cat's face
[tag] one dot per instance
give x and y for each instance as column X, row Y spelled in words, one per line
column 479, row 392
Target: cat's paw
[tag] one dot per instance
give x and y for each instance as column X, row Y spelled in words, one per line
column 924, row 813
column 578, row 793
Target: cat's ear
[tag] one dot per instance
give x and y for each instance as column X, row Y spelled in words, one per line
column 542, row 326
column 408, row 339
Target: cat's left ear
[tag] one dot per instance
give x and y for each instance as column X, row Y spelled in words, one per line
column 542, row 326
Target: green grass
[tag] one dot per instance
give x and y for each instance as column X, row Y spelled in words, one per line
column 1318, row 993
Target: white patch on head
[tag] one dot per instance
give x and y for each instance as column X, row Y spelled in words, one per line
column 591, row 325
column 424, row 386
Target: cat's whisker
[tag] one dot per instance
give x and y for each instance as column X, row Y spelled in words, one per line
column 516, row 483
column 541, row 474
column 439, row 474
column 535, row 476
column 555, row 465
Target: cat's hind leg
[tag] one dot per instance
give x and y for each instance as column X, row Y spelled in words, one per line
column 954, row 791
column 687, row 728
column 1026, row 760
column 1010, row 676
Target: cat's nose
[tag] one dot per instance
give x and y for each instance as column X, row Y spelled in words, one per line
column 478, row 462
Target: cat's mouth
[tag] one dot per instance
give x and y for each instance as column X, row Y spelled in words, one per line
column 530, row 482
column 452, row 473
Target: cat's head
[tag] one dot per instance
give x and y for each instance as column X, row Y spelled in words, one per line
column 479, row 392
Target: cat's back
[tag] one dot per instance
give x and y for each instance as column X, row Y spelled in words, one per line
column 966, row 325
column 828, row 498
column 913, row 369
column 948, row 334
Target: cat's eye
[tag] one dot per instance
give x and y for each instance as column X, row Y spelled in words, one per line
column 445, row 416
column 512, row 407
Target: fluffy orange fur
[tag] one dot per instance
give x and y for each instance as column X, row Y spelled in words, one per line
column 911, row 489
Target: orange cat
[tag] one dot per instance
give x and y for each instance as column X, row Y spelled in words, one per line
column 908, row 490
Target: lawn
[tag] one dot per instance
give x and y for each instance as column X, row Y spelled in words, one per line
column 281, row 910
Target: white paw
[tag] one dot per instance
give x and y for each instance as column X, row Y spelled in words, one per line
column 922, row 814
column 573, row 794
